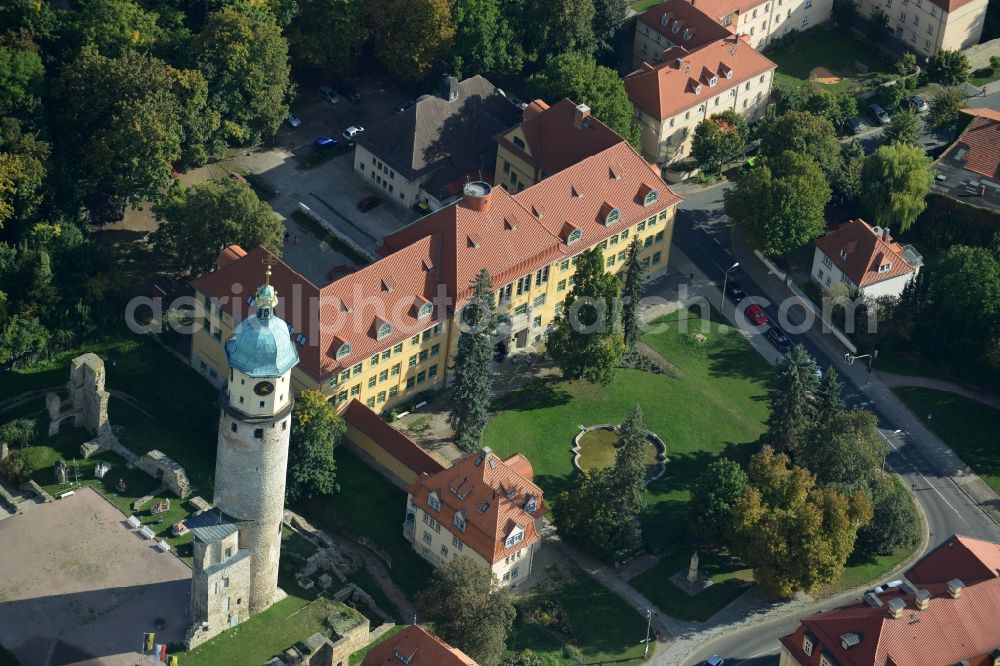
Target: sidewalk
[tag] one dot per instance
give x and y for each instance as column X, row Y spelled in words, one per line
column 929, row 444
column 893, row 380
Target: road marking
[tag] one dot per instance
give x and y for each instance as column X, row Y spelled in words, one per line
column 759, row 654
column 926, row 480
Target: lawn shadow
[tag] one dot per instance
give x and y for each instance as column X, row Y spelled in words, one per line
column 542, row 394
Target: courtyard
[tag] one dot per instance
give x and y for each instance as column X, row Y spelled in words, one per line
column 827, row 56
column 79, row 586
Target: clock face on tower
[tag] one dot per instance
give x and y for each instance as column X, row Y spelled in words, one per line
column 263, row 388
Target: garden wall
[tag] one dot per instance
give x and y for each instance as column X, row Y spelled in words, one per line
column 391, row 453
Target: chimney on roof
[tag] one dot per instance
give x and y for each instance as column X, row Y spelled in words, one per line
column 955, row 588
column 476, row 195
column 923, row 599
column 896, row 607
column 450, row 88
column 885, row 234
column 580, row 116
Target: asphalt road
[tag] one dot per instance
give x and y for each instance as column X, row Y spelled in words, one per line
column 702, row 232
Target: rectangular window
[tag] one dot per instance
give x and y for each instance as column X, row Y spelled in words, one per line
column 564, row 265
column 624, row 234
column 386, row 354
column 611, row 261
column 640, row 227
column 371, row 382
column 421, row 377
column 392, row 392
column 345, row 375
column 370, row 401
column 558, row 308
column 656, row 258
column 456, row 543
column 427, row 537
column 614, row 239
column 648, row 242
column 536, row 322
column 374, row 360
column 356, row 369
column 521, row 309
column 435, row 349
column 398, row 348
column 342, row 396
column 561, row 285
column 412, row 362
column 538, row 302
column 356, row 390
column 621, row 256
column 659, row 236
column 432, row 372
column 410, row 382
column 415, row 340
column 395, row 369
column 444, row 550
column 827, row 261
column 381, row 396
column 603, row 245
column 424, row 354
column 542, row 275
column 384, row 375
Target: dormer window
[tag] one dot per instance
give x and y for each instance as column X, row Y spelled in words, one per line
column 515, row 537
column 885, row 268
column 729, row 73
column 433, row 501
column 651, row 197
column 843, row 254
column 574, row 236
column 343, row 350
column 301, row 339
column 425, row 310
column 518, row 141
column 687, row 34
column 613, row 216
column 712, row 81
column 383, row 331
column 676, row 28
column 697, row 89
column 807, row 645
column 531, row 504
column 460, row 521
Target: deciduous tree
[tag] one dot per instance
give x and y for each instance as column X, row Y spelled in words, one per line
column 946, row 108
column 609, row 17
column 472, row 377
column 895, row 524
column 411, row 36
column 804, row 133
column 316, row 429
column 469, row 609
column 310, row 34
column 779, row 203
column 846, row 450
column 949, row 68
column 21, row 77
column 904, row 127
column 563, row 26
column 198, row 222
column 112, row 26
column 877, row 28
column 484, row 41
column 852, row 161
column 23, row 167
column 793, row 400
column 713, row 495
column 895, row 182
column 719, row 140
column 585, row 339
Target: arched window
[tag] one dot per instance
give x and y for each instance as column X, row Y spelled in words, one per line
column 651, row 198
column 344, row 350
column 613, row 216
column 574, row 236
column 424, row 310
column 383, row 330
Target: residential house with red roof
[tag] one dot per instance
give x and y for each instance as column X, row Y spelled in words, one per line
column 384, row 333
column 691, row 69
column 929, row 26
column 415, row 646
column 760, row 21
column 942, row 613
column 969, row 171
column 482, row 507
column 864, row 259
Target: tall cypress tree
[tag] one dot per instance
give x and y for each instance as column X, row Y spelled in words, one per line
column 472, row 383
column 632, row 294
column 793, row 407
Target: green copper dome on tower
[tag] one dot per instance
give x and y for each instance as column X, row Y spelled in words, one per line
column 261, row 346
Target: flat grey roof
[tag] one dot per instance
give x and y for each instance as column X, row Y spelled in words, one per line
column 212, row 526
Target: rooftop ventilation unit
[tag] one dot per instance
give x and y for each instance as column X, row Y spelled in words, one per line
column 923, row 599
column 872, row 600
column 955, row 588
column 896, row 607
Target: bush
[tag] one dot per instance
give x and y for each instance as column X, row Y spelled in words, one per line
column 910, row 83
column 893, row 527
column 19, row 432
column 18, row 467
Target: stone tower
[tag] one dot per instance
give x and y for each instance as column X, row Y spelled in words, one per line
column 254, row 426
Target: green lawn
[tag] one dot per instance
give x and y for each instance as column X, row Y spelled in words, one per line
column 730, row 579
column 358, row 656
column 970, row 428
column 980, row 81
column 906, row 363
column 831, row 49
column 368, row 505
column 642, row 5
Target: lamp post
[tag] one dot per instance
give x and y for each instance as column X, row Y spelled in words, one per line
column 649, row 622
column 850, row 359
column 725, row 281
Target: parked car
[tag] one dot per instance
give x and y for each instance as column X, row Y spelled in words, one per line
column 349, row 92
column 351, row 132
column 779, row 339
column 293, row 120
column 880, row 114
column 325, row 142
column 403, row 106
column 715, row 660
column 368, row 203
column 756, row 315
column 917, row 103
column 326, row 92
column 736, row 292
column 855, row 126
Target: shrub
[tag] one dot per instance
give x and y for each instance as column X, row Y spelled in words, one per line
column 19, row 432
column 18, row 467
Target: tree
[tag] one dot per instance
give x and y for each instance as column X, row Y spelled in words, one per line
column 113, row 26
column 890, row 95
column 411, row 36
column 713, row 495
column 804, row 133
column 794, row 534
column 198, row 222
column 23, row 168
column 469, row 609
column 895, row 181
column 906, row 64
column 902, row 128
column 635, row 273
column 793, row 400
column 949, row 68
column 852, row 161
column 779, row 203
column 19, row 432
column 609, row 17
column 844, row 12
column 585, row 340
column 316, row 429
column 846, row 450
column 837, row 107
column 895, row 524
column 877, row 28
column 244, row 58
column 309, row 34
column 472, row 379
column 21, row 77
column 484, row 41
column 828, row 399
column 946, row 108
column 719, row 140
column 581, row 79
column 563, row 27
column 19, row 466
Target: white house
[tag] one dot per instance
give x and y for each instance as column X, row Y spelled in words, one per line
column 865, row 259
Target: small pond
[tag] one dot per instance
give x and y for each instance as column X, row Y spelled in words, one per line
column 594, row 448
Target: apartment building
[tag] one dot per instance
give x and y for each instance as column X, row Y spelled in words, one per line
column 384, row 333
column 483, row 508
column 760, row 22
column 674, row 24
column 670, row 98
column 928, row 26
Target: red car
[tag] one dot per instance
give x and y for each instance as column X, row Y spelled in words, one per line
column 368, row 203
column 756, row 315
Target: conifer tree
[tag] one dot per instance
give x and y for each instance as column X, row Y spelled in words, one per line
column 632, row 294
column 472, row 384
column 793, row 398
column 828, row 398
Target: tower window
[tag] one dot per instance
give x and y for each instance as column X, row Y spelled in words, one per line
column 262, row 404
column 232, row 426
column 284, row 425
column 258, row 433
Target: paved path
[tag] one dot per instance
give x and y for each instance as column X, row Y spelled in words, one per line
column 893, row 380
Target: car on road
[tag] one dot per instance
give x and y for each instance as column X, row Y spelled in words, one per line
column 403, row 106
column 368, row 203
column 349, row 92
column 293, row 120
column 326, row 92
column 715, row 660
column 325, row 142
column 855, row 126
column 917, row 103
column 353, row 131
column 756, row 315
column 736, row 292
column 880, row 114
column 779, row 339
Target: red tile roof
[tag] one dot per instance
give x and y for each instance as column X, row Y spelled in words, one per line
column 981, row 144
column 719, row 8
column 704, row 27
column 229, row 255
column 415, row 646
column 946, row 632
column 858, row 251
column 969, row 560
column 554, row 141
column 664, row 90
column 491, row 495
column 395, row 443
